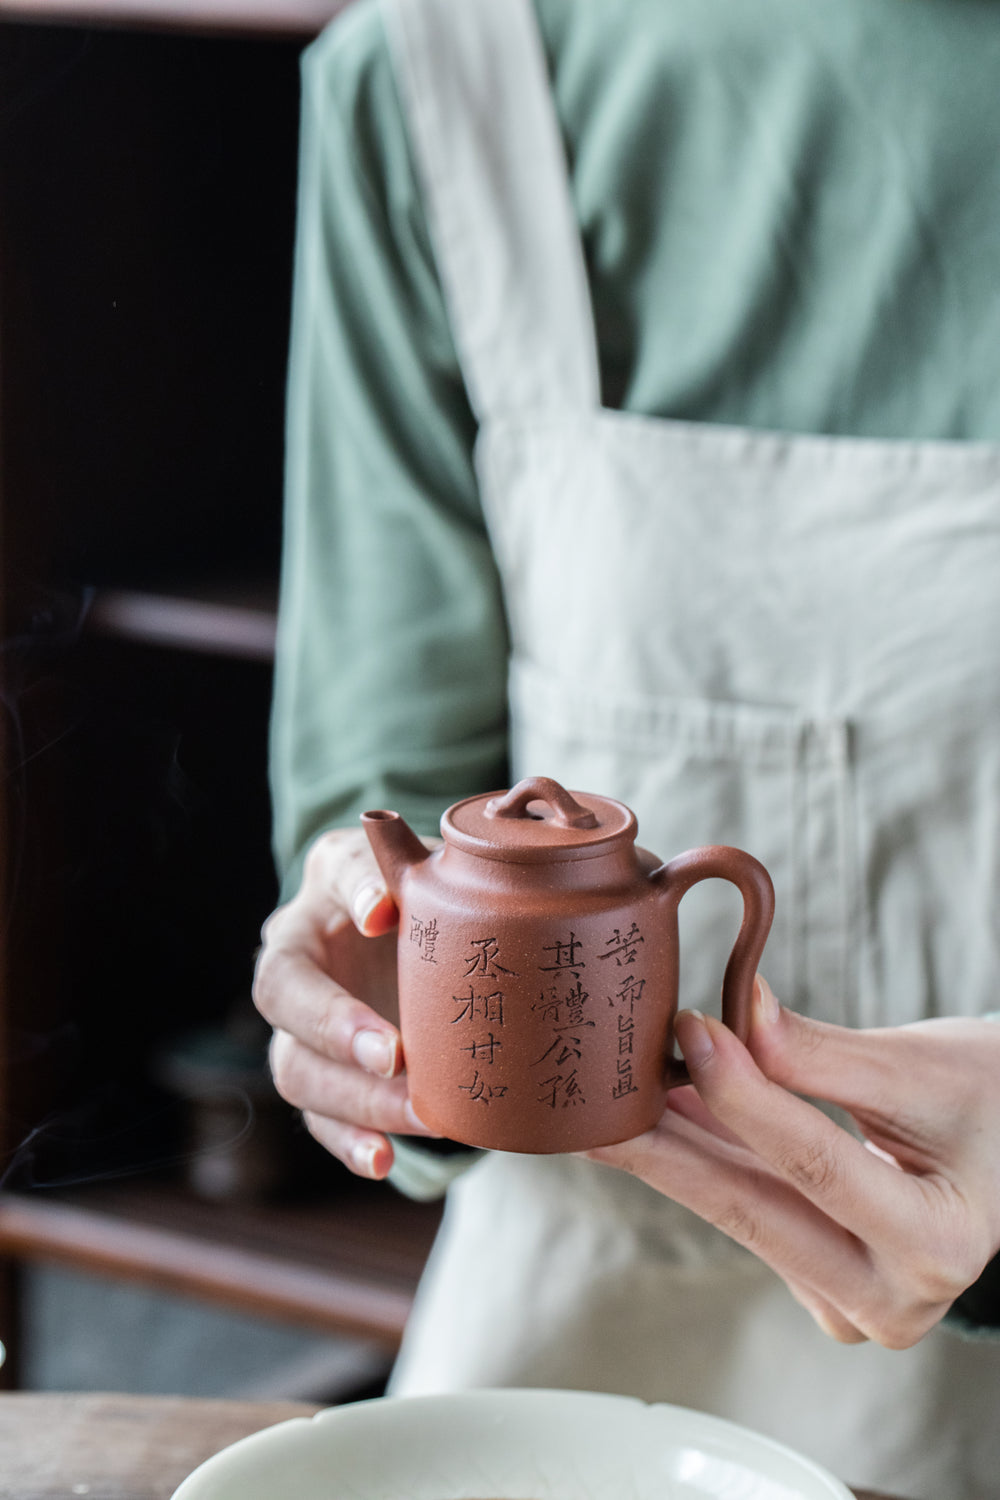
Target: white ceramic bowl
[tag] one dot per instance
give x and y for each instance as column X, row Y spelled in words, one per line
column 509, row 1445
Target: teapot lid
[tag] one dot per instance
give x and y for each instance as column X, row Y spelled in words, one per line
column 538, row 820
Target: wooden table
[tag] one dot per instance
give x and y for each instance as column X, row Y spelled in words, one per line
column 55, row 1447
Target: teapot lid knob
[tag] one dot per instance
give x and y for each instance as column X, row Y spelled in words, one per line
column 568, row 813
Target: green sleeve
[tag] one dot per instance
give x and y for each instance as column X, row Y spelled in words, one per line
column 390, row 682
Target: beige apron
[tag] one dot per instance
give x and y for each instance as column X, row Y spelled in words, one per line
column 781, row 642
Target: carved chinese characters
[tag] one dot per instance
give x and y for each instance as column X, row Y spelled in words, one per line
column 548, row 1026
column 424, row 934
column 562, row 1005
column 485, row 1008
column 628, row 992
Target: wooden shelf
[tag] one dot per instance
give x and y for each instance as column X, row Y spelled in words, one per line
column 349, row 1266
column 271, row 18
column 223, row 621
column 142, row 413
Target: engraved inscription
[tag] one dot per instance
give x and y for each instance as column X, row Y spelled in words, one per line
column 425, row 935
column 561, row 1090
column 484, row 959
column 564, row 952
column 484, row 1050
column 561, row 1004
column 623, row 947
column 567, row 1042
column 625, row 1083
column 629, row 992
column 477, row 1007
column 486, row 1006
column 482, row 1091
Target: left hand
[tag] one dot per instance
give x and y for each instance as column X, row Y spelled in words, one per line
column 876, row 1238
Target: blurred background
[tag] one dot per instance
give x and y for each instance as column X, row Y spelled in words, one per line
column 165, row 1226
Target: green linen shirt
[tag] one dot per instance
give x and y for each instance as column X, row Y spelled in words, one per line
column 790, row 212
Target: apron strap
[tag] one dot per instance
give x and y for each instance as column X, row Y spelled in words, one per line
column 475, row 91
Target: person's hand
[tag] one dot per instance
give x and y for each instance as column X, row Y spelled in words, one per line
column 877, row 1237
column 325, row 980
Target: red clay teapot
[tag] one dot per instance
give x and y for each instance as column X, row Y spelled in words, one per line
column 538, row 966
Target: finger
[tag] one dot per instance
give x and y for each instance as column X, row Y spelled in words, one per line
column 373, row 910
column 823, row 1312
column 341, row 867
column 686, row 1102
column 296, row 995
column 313, row 1083
column 809, row 1151
column 840, row 1064
column 855, row 1069
column 899, row 1083
column 831, row 1271
column 754, row 1206
column 367, row 1154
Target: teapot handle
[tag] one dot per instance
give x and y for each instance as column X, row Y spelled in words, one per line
column 514, row 804
column 754, row 884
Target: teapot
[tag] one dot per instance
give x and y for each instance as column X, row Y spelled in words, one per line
column 538, row 966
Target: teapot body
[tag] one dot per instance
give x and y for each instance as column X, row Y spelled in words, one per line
column 536, row 1000
column 538, row 966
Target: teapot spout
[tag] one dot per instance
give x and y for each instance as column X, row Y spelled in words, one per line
column 395, row 846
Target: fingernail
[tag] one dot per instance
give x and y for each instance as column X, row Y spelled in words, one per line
column 363, row 1157
column 767, row 1002
column 365, row 901
column 376, row 1052
column 416, row 1123
column 697, row 1045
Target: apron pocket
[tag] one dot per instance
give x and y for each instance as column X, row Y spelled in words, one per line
column 764, row 778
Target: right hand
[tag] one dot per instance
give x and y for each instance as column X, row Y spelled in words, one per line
column 325, row 980
column 876, row 1236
